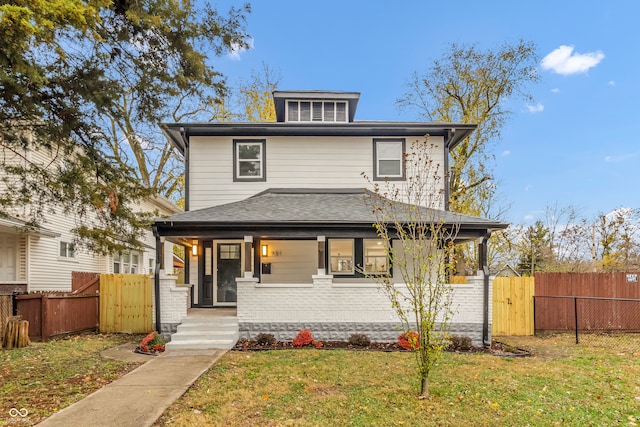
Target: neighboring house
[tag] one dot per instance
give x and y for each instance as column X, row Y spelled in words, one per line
column 43, row 259
column 276, row 219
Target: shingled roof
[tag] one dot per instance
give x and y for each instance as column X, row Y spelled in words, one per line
column 309, row 206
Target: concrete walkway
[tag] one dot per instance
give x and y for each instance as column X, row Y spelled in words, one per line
column 140, row 397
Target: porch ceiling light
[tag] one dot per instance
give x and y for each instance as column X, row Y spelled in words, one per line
column 194, row 247
column 264, row 250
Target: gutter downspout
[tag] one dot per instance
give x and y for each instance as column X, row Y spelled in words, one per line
column 156, row 277
column 486, row 341
column 447, row 175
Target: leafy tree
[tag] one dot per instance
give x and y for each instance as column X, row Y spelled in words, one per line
column 408, row 218
column 616, row 242
column 535, row 249
column 468, row 85
column 79, row 78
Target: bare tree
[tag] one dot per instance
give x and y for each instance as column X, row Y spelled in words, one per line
column 410, row 220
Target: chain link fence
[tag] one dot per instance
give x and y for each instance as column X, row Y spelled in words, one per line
column 594, row 321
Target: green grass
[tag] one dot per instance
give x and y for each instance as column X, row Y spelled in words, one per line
column 46, row 377
column 562, row 384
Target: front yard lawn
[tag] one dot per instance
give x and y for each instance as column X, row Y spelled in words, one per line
column 46, row 377
column 561, row 384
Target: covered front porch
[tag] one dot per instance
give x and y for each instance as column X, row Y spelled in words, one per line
column 288, row 260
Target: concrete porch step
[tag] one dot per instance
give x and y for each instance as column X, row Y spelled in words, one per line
column 205, row 332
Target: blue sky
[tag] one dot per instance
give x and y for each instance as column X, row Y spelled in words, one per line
column 577, row 144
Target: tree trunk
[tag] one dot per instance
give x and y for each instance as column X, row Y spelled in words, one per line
column 424, row 388
column 16, row 333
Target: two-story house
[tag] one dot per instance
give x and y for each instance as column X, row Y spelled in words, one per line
column 43, row 258
column 276, row 219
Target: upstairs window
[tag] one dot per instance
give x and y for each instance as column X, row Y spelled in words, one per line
column 388, row 159
column 317, row 111
column 249, row 160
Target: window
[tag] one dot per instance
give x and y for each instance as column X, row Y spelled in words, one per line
column 387, row 159
column 375, row 257
column 67, row 250
column 126, row 263
column 316, row 111
column 152, row 266
column 357, row 257
column 341, row 254
column 249, row 160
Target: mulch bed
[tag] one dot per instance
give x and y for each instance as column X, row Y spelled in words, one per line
column 497, row 348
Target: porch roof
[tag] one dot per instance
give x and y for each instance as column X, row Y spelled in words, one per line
column 303, row 207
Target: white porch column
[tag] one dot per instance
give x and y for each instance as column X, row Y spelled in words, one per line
column 248, row 256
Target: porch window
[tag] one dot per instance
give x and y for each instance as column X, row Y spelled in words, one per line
column 388, row 158
column 249, row 160
column 341, row 255
column 375, row 257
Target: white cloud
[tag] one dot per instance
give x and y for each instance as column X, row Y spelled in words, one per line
column 611, row 83
column 620, row 157
column 506, row 153
column 535, row 108
column 236, row 50
column 528, row 187
column 529, row 217
column 555, row 90
column 564, row 61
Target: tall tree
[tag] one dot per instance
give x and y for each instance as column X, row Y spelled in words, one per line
column 469, row 85
column 77, row 78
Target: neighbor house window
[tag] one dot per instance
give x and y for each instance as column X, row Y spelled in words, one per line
column 317, row 111
column 126, row 263
column 388, row 159
column 249, row 160
column 375, row 256
column 67, row 250
column 341, row 255
column 152, row 266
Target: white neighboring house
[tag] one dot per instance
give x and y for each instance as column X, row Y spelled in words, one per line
column 43, row 259
column 276, row 219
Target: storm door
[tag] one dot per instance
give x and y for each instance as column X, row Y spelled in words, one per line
column 228, row 269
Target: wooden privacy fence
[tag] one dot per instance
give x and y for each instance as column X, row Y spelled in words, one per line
column 587, row 301
column 126, row 303
column 512, row 306
column 6, row 311
column 51, row 314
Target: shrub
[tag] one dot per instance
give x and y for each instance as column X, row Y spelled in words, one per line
column 265, row 339
column 359, row 340
column 409, row 340
column 152, row 342
column 460, row 343
column 304, row 339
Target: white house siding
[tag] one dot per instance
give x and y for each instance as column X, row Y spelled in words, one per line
column 335, row 311
column 291, row 162
column 39, row 263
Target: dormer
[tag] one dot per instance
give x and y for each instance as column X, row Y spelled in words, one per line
column 315, row 106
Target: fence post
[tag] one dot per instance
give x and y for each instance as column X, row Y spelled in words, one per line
column 14, row 303
column 534, row 316
column 575, row 310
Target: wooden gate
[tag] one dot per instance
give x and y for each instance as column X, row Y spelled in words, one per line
column 126, row 303
column 512, row 306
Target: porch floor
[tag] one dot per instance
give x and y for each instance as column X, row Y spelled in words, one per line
column 212, row 312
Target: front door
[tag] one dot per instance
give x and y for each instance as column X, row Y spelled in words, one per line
column 228, row 267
